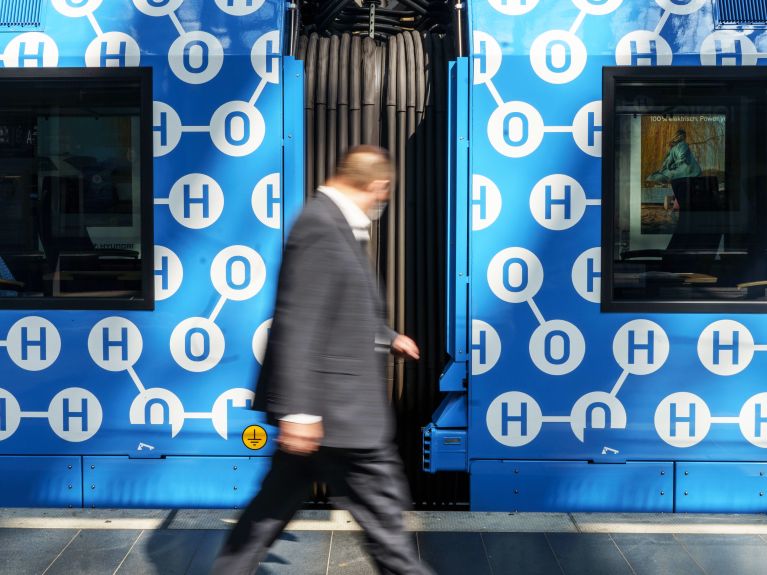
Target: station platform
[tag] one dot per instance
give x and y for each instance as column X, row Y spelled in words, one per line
column 170, row 542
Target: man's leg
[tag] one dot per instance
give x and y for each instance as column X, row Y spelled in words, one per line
column 284, row 489
column 371, row 485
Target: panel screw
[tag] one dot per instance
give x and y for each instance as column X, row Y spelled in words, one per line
column 69, row 486
column 516, row 471
column 235, row 468
column 516, row 491
column 69, row 467
column 663, row 493
column 761, row 494
column 235, row 488
column 761, row 474
column 93, row 487
column 93, row 467
column 290, row 136
column 685, row 493
column 687, row 473
column 663, row 473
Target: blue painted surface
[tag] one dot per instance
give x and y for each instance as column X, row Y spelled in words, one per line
column 552, row 377
column 179, row 400
column 41, row 481
column 174, row 482
column 646, row 486
column 721, row 487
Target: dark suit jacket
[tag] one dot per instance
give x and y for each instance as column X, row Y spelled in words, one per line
column 321, row 357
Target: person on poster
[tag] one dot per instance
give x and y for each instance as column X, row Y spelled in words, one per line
column 679, row 162
column 322, row 380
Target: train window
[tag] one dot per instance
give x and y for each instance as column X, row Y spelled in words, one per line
column 684, row 189
column 76, row 188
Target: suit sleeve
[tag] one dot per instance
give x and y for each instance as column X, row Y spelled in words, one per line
column 303, row 311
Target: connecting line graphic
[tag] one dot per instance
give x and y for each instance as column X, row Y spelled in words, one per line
column 134, row 376
column 217, row 309
column 95, row 24
column 578, row 21
column 618, row 384
column 257, row 94
column 536, row 311
column 662, row 22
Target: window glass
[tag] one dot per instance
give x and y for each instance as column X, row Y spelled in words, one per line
column 689, row 197
column 70, row 191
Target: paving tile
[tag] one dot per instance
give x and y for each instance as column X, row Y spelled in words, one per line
column 454, row 553
column 95, row 551
column 298, row 553
column 348, row 556
column 736, row 554
column 528, row 553
column 207, row 550
column 162, row 552
column 588, row 554
column 656, row 554
column 30, row 551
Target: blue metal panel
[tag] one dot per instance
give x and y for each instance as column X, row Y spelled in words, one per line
column 709, row 487
column 218, row 133
column 571, row 486
column 293, row 162
column 552, row 382
column 444, row 449
column 52, row 481
column 191, row 482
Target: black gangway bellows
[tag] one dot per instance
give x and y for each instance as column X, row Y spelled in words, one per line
column 392, row 93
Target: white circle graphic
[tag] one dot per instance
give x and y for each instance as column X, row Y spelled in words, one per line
column 157, row 7
column 112, row 50
column 558, row 202
column 598, row 7
column 557, row 347
column 265, row 56
column 164, row 407
column 753, row 420
column 237, row 128
column 168, row 273
column 11, row 414
column 266, row 201
column 681, row 7
column 237, row 397
column 196, row 57
column 514, row 419
column 33, row 343
column 197, row 344
column 682, row 419
column 643, row 48
column 726, row 347
column 515, row 275
column 260, row 339
column 31, row 50
column 513, row 7
column 558, row 56
column 196, row 201
column 238, row 272
column 728, row 48
column 641, row 347
column 239, row 7
column 487, row 57
column 587, row 128
column 516, row 129
column 587, row 275
column 597, row 410
column 166, row 126
column 76, row 8
column 485, row 347
column 486, row 202
column 115, row 344
column 75, row 414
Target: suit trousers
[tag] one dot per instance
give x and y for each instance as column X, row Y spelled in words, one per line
column 369, row 483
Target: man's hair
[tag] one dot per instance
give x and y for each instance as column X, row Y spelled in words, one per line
column 362, row 165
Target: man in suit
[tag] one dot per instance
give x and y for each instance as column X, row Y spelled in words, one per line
column 322, row 379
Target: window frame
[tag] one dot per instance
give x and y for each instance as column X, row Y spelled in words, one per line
column 611, row 77
column 143, row 74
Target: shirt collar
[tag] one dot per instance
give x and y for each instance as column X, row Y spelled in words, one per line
column 354, row 216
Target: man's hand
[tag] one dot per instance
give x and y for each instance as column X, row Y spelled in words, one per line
column 300, row 438
column 403, row 346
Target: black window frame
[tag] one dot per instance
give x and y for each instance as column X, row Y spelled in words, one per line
column 611, row 75
column 146, row 181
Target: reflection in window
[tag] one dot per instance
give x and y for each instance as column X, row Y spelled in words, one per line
column 688, row 201
column 70, row 189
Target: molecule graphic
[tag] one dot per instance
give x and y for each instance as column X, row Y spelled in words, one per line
column 196, row 201
column 558, row 202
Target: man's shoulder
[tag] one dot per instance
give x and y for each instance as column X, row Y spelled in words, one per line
column 315, row 221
